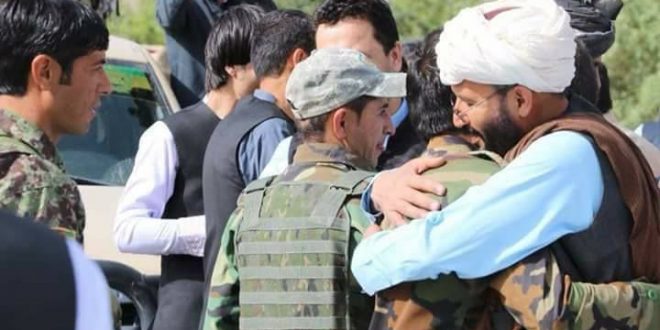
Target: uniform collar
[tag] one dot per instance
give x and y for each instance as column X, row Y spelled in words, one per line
column 329, row 153
column 15, row 127
column 264, row 95
column 448, row 144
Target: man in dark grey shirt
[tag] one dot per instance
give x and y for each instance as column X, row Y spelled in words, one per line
column 244, row 141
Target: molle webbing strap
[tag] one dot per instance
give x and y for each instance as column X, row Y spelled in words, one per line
column 281, row 273
column 283, row 323
column 290, row 298
column 294, row 223
column 290, row 247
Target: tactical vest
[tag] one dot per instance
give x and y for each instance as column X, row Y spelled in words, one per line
column 293, row 266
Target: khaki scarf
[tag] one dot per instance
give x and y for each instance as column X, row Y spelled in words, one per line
column 634, row 176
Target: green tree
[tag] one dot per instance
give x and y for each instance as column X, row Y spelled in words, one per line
column 414, row 18
column 137, row 22
column 417, row 18
column 307, row 6
column 634, row 63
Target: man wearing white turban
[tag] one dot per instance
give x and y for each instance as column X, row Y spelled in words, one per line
column 573, row 183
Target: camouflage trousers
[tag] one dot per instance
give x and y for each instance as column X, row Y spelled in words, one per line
column 443, row 303
column 533, row 294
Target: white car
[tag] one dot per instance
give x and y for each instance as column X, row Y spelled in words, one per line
column 101, row 160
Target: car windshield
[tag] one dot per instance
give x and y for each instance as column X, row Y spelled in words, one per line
column 105, row 155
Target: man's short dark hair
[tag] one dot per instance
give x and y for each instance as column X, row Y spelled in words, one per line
column 229, row 43
column 277, row 35
column 62, row 29
column 429, row 100
column 377, row 12
column 312, row 129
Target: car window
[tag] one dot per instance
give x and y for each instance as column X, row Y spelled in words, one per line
column 105, row 155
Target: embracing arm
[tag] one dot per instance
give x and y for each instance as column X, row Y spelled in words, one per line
column 541, row 196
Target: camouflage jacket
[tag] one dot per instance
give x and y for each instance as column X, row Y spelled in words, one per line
column 312, row 162
column 446, row 302
column 33, row 182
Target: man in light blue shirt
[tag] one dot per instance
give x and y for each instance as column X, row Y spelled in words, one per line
column 508, row 67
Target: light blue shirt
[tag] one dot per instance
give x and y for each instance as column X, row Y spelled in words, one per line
column 400, row 115
column 280, row 160
column 257, row 148
column 552, row 189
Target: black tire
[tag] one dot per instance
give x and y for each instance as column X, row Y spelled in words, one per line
column 140, row 289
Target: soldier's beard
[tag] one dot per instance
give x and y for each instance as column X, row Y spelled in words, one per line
column 501, row 134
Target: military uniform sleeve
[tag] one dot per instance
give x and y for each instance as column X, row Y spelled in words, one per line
column 48, row 198
column 222, row 309
column 361, row 305
column 620, row 305
column 538, row 296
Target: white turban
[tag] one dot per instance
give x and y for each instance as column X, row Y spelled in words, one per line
column 526, row 42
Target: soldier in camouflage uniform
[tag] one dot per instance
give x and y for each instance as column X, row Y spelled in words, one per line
column 535, row 294
column 446, row 302
column 51, row 78
column 290, row 240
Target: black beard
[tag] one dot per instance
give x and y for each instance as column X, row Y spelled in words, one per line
column 502, row 134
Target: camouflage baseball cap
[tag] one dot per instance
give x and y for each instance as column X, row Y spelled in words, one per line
column 333, row 77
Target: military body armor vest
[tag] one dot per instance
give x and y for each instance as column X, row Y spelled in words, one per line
column 293, row 261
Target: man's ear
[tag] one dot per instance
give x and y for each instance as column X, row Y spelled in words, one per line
column 297, row 56
column 45, row 72
column 396, row 56
column 338, row 122
column 231, row 71
column 523, row 98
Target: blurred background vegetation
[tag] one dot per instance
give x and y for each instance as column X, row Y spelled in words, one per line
column 633, row 62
